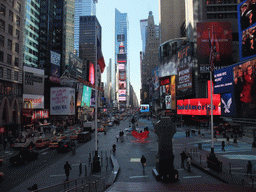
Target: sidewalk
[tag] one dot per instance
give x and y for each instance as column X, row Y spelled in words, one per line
column 233, row 167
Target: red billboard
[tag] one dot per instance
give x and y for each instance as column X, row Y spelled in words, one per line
column 200, row 106
column 222, row 31
column 91, row 73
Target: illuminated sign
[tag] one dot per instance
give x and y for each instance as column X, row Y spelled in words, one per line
column 122, row 93
column 200, row 106
column 144, row 108
column 87, row 91
column 91, row 73
column 164, row 80
column 121, row 67
column 122, row 85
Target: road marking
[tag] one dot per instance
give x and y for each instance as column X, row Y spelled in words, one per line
column 237, row 168
column 138, row 176
column 137, row 160
column 188, row 177
column 60, row 175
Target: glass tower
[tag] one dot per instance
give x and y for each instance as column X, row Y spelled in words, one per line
column 82, row 8
column 143, row 27
column 31, row 35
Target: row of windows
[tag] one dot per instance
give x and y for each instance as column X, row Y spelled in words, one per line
column 10, row 29
column 9, row 74
column 3, row 13
column 6, row 89
column 221, row 2
column 221, row 16
column 9, row 59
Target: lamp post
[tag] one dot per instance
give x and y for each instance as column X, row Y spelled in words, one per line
column 96, row 160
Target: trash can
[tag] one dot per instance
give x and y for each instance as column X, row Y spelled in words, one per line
column 200, row 146
column 74, row 151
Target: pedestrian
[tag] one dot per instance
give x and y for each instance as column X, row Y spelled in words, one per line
column 133, row 123
column 80, row 169
column 114, row 149
column 186, row 133
column 117, row 136
column 67, row 168
column 249, row 167
column 143, row 162
column 189, row 163
column 183, row 157
column 223, row 145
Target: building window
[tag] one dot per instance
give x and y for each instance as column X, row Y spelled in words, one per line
column 16, row 75
column 17, row 49
column 10, row 15
column 18, row 7
column 9, row 59
column 9, row 45
column 2, row 10
column 2, row 25
column 1, row 41
column 16, row 62
column 9, row 74
column 17, row 20
column 12, row 2
column 10, row 29
column 17, row 34
column 2, row 56
column 1, row 72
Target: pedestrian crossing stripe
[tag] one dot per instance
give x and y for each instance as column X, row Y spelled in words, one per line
column 136, row 160
column 241, row 157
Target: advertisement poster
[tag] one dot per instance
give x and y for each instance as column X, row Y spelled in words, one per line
column 173, row 92
column 62, row 101
column 144, row 108
column 227, row 105
column 121, row 67
column 122, row 93
column 91, row 73
column 92, row 101
column 37, row 101
column 156, row 78
column 122, row 75
column 246, row 14
column 221, row 33
column 76, row 65
column 168, row 101
column 55, row 66
column 223, row 80
column 122, row 85
column 80, row 93
column 87, row 91
column 184, row 77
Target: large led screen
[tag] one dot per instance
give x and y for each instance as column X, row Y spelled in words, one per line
column 220, row 34
column 87, row 91
column 121, row 67
column 91, row 73
column 122, row 93
column 122, row 85
column 246, row 11
column 144, row 108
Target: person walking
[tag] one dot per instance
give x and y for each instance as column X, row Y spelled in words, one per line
column 67, row 168
column 183, row 157
column 117, row 136
column 223, row 146
column 143, row 162
column 80, row 169
column 114, row 149
column 133, row 123
column 189, row 163
column 249, row 167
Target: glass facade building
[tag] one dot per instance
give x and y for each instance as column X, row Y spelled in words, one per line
column 32, row 16
column 82, row 8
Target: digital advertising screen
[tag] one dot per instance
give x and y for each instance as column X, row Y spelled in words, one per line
column 122, row 85
column 122, row 93
column 91, row 73
column 144, row 108
column 55, row 66
column 121, row 67
column 220, row 35
column 246, row 14
column 86, row 98
column 92, row 101
column 122, row 75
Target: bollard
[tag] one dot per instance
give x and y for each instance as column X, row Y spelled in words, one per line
column 230, row 168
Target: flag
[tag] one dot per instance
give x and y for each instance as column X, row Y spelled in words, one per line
column 100, row 57
column 214, row 49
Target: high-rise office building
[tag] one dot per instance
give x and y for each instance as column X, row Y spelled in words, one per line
column 143, row 27
column 82, row 8
column 11, row 63
column 121, row 36
column 31, row 35
column 150, row 59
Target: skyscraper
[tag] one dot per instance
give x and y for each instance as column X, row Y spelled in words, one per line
column 121, row 35
column 31, row 33
column 143, row 27
column 82, row 8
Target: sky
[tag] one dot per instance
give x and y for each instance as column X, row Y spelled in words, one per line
column 136, row 10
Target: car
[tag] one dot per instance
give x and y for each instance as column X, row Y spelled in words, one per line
column 101, row 129
column 65, row 146
column 84, row 136
column 61, row 136
column 23, row 156
column 41, row 143
column 54, row 143
column 110, row 124
column 73, row 136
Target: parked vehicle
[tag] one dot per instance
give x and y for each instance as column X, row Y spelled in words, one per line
column 23, row 156
column 73, row 136
column 101, row 128
column 84, row 136
column 64, row 146
column 41, row 143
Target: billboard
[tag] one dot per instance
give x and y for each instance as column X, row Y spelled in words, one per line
column 86, row 98
column 121, row 58
column 92, row 101
column 184, row 76
column 122, row 75
column 55, row 67
column 122, row 85
column 168, row 102
column 91, row 73
column 121, row 67
column 200, row 106
column 221, row 33
column 144, row 108
column 79, row 94
column 173, row 92
column 76, row 66
column 155, row 74
column 246, row 11
column 62, row 101
column 37, row 101
column 122, row 93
